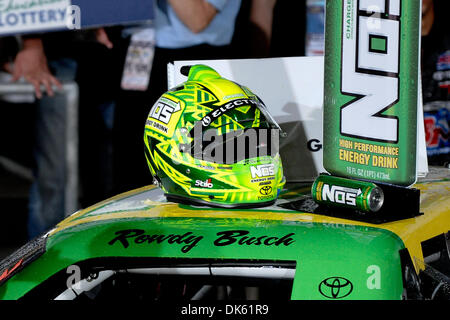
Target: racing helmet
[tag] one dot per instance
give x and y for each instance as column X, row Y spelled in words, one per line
column 211, row 141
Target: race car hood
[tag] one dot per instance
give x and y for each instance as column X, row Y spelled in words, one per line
column 141, row 223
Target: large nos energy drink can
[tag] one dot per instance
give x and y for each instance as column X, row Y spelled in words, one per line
column 371, row 89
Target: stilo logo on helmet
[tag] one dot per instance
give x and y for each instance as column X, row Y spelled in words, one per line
column 204, row 184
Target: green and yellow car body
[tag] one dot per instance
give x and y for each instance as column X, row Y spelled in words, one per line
column 368, row 258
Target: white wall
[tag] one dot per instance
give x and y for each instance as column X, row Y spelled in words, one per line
column 292, row 89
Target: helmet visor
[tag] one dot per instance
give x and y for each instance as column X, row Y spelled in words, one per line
column 243, row 132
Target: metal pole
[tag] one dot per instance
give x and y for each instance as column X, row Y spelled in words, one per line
column 71, row 92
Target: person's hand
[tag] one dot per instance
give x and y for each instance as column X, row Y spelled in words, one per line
column 31, row 64
column 6, row 67
column 102, row 37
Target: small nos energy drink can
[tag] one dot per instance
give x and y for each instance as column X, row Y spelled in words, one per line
column 371, row 89
column 360, row 195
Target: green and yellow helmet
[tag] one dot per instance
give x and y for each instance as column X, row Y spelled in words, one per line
column 212, row 142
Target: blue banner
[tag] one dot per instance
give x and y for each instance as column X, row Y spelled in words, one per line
column 36, row 16
column 113, row 12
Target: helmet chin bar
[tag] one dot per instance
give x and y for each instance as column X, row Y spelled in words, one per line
column 199, row 202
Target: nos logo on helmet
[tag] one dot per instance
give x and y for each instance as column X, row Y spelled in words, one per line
column 204, row 184
column 263, row 170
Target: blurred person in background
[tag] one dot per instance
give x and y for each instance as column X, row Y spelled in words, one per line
column 48, row 61
column 47, row 193
column 261, row 24
column 271, row 28
column 436, row 79
column 184, row 30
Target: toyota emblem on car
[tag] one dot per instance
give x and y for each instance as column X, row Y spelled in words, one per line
column 335, row 288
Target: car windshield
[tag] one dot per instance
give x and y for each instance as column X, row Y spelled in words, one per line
column 161, row 279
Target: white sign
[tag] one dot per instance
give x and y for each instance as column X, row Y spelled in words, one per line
column 292, row 90
column 17, row 16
